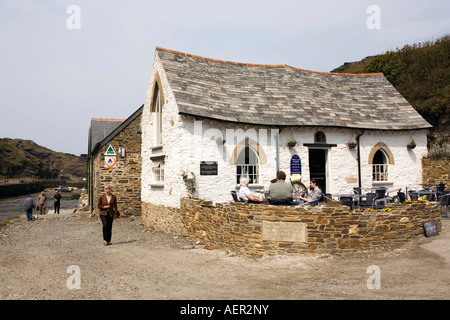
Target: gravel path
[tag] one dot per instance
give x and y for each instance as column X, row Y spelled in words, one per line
column 63, row 257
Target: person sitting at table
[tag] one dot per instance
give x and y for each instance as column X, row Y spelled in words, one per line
column 281, row 192
column 314, row 195
column 245, row 193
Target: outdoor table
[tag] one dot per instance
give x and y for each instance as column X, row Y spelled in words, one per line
column 427, row 193
column 353, row 196
column 264, row 192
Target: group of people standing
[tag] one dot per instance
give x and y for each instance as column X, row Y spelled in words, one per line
column 107, row 204
column 41, row 204
column 281, row 192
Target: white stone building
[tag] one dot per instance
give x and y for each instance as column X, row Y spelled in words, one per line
column 220, row 120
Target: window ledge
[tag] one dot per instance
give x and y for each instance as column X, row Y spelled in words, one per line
column 379, row 183
column 158, row 147
column 252, row 186
column 156, row 185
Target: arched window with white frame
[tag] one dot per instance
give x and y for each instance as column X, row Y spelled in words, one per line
column 380, row 157
column 247, row 165
column 380, row 166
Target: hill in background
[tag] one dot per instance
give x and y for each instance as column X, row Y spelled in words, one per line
column 421, row 73
column 24, row 159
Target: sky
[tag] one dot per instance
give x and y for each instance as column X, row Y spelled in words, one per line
column 65, row 62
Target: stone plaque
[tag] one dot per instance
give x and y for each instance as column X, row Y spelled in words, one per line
column 284, row 231
column 208, row 168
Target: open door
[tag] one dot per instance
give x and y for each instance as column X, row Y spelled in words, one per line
column 318, row 167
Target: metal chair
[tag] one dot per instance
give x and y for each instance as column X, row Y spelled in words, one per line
column 401, row 196
column 445, row 202
column 347, row 201
column 235, row 197
column 368, row 201
column 413, row 196
column 440, row 190
column 327, row 197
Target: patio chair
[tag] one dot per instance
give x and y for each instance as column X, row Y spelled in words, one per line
column 347, row 201
column 413, row 196
column 281, row 202
column 401, row 196
column 368, row 201
column 327, row 197
column 440, row 190
column 235, row 197
column 445, row 202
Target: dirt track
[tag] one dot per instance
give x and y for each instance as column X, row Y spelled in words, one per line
column 35, row 260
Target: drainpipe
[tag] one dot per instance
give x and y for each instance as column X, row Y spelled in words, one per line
column 277, row 139
column 359, row 159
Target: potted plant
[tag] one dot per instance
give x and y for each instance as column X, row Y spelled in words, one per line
column 411, row 145
column 291, row 143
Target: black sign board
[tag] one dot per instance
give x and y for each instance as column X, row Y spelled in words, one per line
column 208, row 168
column 430, row 228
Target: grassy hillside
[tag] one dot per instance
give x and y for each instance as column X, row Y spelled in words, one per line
column 421, row 73
column 26, row 159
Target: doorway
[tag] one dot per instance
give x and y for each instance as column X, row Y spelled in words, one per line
column 318, row 167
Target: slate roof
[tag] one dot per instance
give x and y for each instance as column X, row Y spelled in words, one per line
column 281, row 95
column 104, row 130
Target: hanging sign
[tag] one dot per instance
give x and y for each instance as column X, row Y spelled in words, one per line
column 296, row 165
column 110, row 151
column 110, row 162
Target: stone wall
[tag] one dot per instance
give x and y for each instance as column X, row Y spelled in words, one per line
column 435, row 171
column 254, row 230
column 125, row 178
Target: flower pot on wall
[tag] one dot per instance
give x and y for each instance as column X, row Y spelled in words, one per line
column 351, row 145
column 291, row 143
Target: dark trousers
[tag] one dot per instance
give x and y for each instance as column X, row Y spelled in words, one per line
column 29, row 214
column 57, row 205
column 107, row 222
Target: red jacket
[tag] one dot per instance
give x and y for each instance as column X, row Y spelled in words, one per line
column 103, row 201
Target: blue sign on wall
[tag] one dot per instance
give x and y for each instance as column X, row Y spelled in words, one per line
column 296, row 165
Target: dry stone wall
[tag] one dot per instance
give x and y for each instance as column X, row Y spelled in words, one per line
column 255, row 230
column 435, row 171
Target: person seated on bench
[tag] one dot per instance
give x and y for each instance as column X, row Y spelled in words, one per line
column 314, row 195
column 281, row 192
column 245, row 193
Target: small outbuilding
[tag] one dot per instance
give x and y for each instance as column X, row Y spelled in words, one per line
column 206, row 123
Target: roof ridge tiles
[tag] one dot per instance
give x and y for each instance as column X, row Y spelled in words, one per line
column 266, row 65
column 107, row 119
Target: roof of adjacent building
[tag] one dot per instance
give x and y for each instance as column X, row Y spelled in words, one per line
column 281, row 95
column 103, row 130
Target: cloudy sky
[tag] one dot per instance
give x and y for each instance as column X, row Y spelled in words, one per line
column 65, row 62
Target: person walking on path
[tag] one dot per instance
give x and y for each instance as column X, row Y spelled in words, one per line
column 107, row 203
column 42, row 202
column 29, row 205
column 57, row 201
